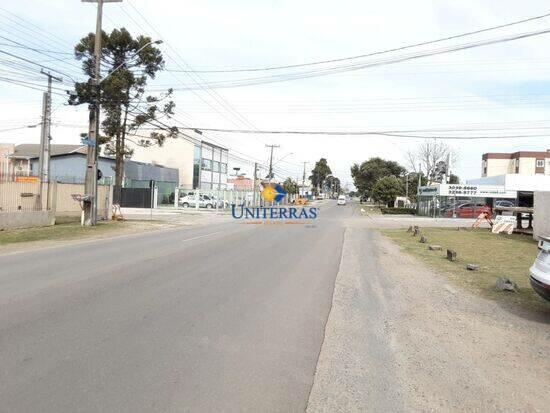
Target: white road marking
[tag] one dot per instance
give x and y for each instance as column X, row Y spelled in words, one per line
column 201, row 236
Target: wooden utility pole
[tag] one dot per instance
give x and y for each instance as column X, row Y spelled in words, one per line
column 255, row 187
column 90, row 183
column 270, row 176
column 45, row 138
column 304, row 180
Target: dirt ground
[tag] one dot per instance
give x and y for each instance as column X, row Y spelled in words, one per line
column 401, row 338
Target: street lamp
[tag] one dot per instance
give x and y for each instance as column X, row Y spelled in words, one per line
column 280, row 159
column 135, row 54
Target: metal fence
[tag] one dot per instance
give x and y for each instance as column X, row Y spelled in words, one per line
column 220, row 199
column 25, row 196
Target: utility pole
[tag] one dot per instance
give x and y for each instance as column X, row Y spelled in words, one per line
column 45, row 138
column 407, row 186
column 90, row 183
column 255, row 184
column 271, row 160
column 304, row 180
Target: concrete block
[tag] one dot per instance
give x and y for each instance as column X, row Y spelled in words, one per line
column 451, row 255
column 435, row 248
column 506, row 284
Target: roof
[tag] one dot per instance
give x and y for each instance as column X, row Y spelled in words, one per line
column 515, row 155
column 32, row 150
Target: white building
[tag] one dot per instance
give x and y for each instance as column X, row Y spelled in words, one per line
column 201, row 164
column 522, row 162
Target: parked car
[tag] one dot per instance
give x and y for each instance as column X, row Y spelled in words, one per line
column 468, row 210
column 505, row 203
column 540, row 271
column 191, row 201
column 341, row 200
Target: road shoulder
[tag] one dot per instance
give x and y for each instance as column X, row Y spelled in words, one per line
column 400, row 338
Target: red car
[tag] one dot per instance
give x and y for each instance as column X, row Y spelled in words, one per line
column 468, row 210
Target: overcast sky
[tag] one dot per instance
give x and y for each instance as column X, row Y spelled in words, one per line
column 493, row 87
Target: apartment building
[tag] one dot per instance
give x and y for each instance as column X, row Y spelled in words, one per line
column 522, row 162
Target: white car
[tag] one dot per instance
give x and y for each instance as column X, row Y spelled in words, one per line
column 191, row 201
column 342, row 200
column 540, row 271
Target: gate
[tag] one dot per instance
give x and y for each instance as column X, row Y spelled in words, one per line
column 136, row 198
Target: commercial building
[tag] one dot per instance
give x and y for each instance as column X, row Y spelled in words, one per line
column 240, row 183
column 518, row 189
column 200, row 164
column 522, row 162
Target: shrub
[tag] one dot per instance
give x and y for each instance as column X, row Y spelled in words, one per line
column 398, row 211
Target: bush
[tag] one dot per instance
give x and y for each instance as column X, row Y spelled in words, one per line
column 398, row 211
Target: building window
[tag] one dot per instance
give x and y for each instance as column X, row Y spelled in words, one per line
column 223, row 168
column 196, row 166
column 540, row 163
column 216, row 166
column 207, row 164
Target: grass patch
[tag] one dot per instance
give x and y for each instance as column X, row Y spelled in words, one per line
column 65, row 231
column 496, row 254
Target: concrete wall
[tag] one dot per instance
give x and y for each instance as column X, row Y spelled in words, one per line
column 26, row 219
column 27, row 208
column 21, row 196
column 67, row 206
column 527, row 166
column 541, row 223
column 499, row 167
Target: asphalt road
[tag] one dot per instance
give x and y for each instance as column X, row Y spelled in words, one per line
column 225, row 317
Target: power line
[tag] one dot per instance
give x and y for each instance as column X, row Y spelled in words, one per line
column 399, row 134
column 530, row 19
column 358, row 66
column 20, row 127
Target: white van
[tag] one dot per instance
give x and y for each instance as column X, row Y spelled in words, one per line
column 342, row 200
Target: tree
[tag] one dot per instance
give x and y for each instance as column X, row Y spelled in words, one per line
column 332, row 184
column 130, row 63
column 386, row 189
column 413, row 183
column 319, row 174
column 431, row 157
column 290, row 186
column 369, row 172
column 454, row 179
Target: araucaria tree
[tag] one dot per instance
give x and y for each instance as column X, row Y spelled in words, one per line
column 127, row 63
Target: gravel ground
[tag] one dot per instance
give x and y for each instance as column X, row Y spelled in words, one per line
column 400, row 338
